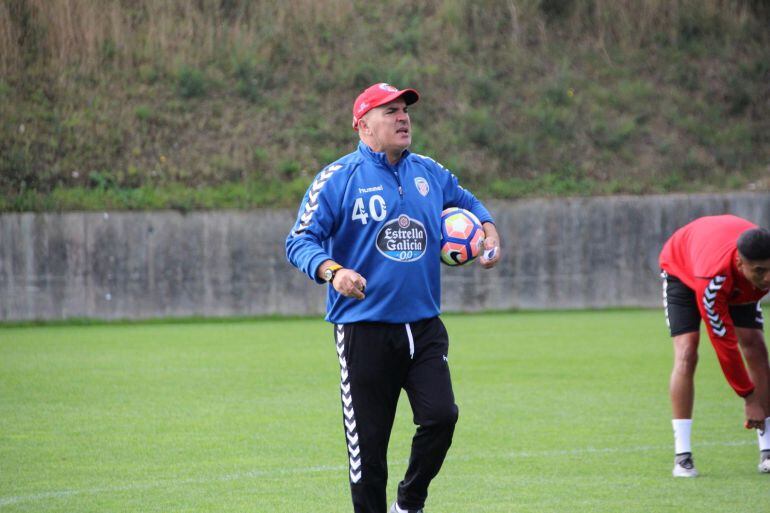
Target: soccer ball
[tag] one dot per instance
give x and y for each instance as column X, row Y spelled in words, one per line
column 462, row 236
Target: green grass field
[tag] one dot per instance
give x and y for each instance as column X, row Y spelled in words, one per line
column 559, row 411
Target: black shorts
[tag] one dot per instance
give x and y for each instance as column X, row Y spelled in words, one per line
column 683, row 316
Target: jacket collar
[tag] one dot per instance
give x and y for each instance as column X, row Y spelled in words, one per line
column 379, row 157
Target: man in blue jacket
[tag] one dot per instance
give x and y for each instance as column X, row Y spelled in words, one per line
column 369, row 225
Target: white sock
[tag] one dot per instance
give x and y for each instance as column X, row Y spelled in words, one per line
column 764, row 440
column 682, row 428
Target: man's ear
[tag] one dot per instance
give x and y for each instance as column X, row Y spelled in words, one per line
column 742, row 263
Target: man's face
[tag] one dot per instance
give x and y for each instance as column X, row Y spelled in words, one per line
column 756, row 271
column 388, row 128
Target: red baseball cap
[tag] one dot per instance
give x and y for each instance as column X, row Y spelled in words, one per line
column 380, row 94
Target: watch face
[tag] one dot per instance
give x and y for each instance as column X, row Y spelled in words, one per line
column 328, row 274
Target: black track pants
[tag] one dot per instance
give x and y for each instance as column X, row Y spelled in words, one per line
column 377, row 360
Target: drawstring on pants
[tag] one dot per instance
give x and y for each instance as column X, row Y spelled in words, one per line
column 411, row 340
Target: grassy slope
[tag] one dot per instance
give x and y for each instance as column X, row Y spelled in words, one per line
column 532, row 104
column 558, row 412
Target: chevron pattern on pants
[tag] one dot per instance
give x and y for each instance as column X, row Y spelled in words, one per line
column 349, row 415
column 709, row 297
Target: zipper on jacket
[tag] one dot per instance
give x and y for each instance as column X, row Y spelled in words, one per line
column 398, row 181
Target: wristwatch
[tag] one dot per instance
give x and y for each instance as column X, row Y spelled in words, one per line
column 330, row 271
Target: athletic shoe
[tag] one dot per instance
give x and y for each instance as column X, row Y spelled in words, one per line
column 396, row 509
column 764, row 462
column 683, row 466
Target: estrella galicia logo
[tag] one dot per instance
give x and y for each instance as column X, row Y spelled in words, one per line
column 403, row 239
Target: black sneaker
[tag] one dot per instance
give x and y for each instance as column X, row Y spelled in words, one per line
column 684, row 466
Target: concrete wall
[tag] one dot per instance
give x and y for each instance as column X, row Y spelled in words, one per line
column 564, row 253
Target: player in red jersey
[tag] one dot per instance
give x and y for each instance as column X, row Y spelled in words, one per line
column 717, row 269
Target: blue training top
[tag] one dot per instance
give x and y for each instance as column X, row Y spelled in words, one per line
column 383, row 221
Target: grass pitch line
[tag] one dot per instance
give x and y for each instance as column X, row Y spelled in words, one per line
column 609, row 450
column 60, row 494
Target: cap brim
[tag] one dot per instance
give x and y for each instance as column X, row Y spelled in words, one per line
column 410, row 96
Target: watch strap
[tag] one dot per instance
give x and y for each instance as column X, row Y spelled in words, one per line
column 331, row 271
